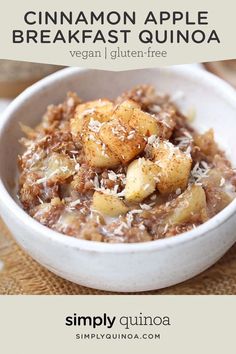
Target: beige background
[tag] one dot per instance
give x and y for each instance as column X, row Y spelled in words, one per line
column 221, row 18
column 199, row 324
column 36, row 324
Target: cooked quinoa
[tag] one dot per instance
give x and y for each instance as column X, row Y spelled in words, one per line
column 125, row 170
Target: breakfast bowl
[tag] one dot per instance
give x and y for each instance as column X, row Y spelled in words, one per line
column 121, row 267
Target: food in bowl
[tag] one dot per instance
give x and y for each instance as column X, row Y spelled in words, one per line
column 128, row 170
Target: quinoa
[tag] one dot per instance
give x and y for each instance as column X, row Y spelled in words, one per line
column 58, row 181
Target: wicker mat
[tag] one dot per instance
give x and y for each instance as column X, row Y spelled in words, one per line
column 19, row 274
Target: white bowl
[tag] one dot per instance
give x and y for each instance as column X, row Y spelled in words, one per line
column 121, row 267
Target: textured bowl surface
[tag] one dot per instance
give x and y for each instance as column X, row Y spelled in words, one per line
column 121, row 267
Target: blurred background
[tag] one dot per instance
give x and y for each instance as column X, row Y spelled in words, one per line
column 15, row 76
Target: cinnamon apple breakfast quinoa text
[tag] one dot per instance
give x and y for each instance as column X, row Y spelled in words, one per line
column 128, row 170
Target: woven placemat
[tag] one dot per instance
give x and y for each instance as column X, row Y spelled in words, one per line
column 20, row 274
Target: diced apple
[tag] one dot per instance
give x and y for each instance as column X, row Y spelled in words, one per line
column 141, row 180
column 97, row 153
column 189, row 206
column 124, row 111
column 57, row 167
column 122, row 140
column 174, row 165
column 109, row 205
column 99, row 110
column 206, row 143
column 145, row 124
column 129, row 113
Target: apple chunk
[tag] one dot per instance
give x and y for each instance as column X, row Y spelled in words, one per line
column 129, row 113
column 109, row 205
column 174, row 165
column 97, row 153
column 99, row 110
column 142, row 176
column 188, row 206
column 122, row 140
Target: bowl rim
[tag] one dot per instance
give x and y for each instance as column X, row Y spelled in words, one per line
column 10, row 205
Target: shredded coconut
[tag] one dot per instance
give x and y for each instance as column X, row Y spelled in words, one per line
column 112, row 175
column 135, row 211
column 222, row 182
column 145, row 206
column 91, row 137
column 151, row 139
column 166, row 228
column 118, row 230
column 155, row 108
column 178, row 191
column 94, row 125
column 96, row 182
column 75, row 202
column 131, row 135
column 199, row 172
column 40, row 200
column 46, row 178
column 142, row 227
column 77, row 167
column 129, row 218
